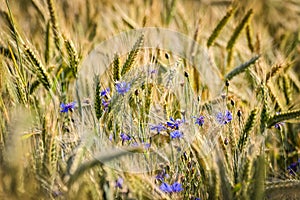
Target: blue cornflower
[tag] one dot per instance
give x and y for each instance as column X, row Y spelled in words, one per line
column 293, row 168
column 224, row 118
column 125, row 137
column 174, row 123
column 176, row 134
column 146, row 145
column 175, row 187
column 67, row 107
column 105, row 103
column 119, row 183
column 122, row 87
column 158, row 128
column 199, row 120
column 165, row 187
column 104, row 92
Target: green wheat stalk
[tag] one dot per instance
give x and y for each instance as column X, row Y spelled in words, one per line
column 47, row 42
column 148, row 100
column 34, row 85
column 264, row 117
column 43, row 76
column 73, row 56
column 132, row 55
column 239, row 29
column 283, row 116
column 241, row 68
column 287, row 89
column 247, row 129
column 259, row 178
column 219, row 27
column 98, row 103
column 116, row 68
column 55, row 27
column 274, row 71
column 249, row 37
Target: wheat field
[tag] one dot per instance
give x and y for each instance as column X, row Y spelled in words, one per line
column 149, row 99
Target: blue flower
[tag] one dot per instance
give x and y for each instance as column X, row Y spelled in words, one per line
column 122, row 87
column 67, row 107
column 125, row 137
column 146, row 145
column 293, row 168
column 176, row 134
column 165, row 187
column 224, row 118
column 104, row 92
column 199, row 120
column 158, row 128
column 119, row 183
column 174, row 123
column 175, row 187
column 105, row 103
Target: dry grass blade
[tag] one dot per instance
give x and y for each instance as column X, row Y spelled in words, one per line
column 99, row 160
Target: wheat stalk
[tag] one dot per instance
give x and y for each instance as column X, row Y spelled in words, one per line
column 132, row 55
column 239, row 29
column 241, row 68
column 216, row 32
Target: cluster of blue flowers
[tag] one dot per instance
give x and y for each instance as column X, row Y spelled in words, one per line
column 121, row 88
column 175, row 187
column 174, row 124
column 221, row 118
column 199, row 120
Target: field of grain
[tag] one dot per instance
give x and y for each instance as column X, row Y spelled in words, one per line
column 149, row 99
